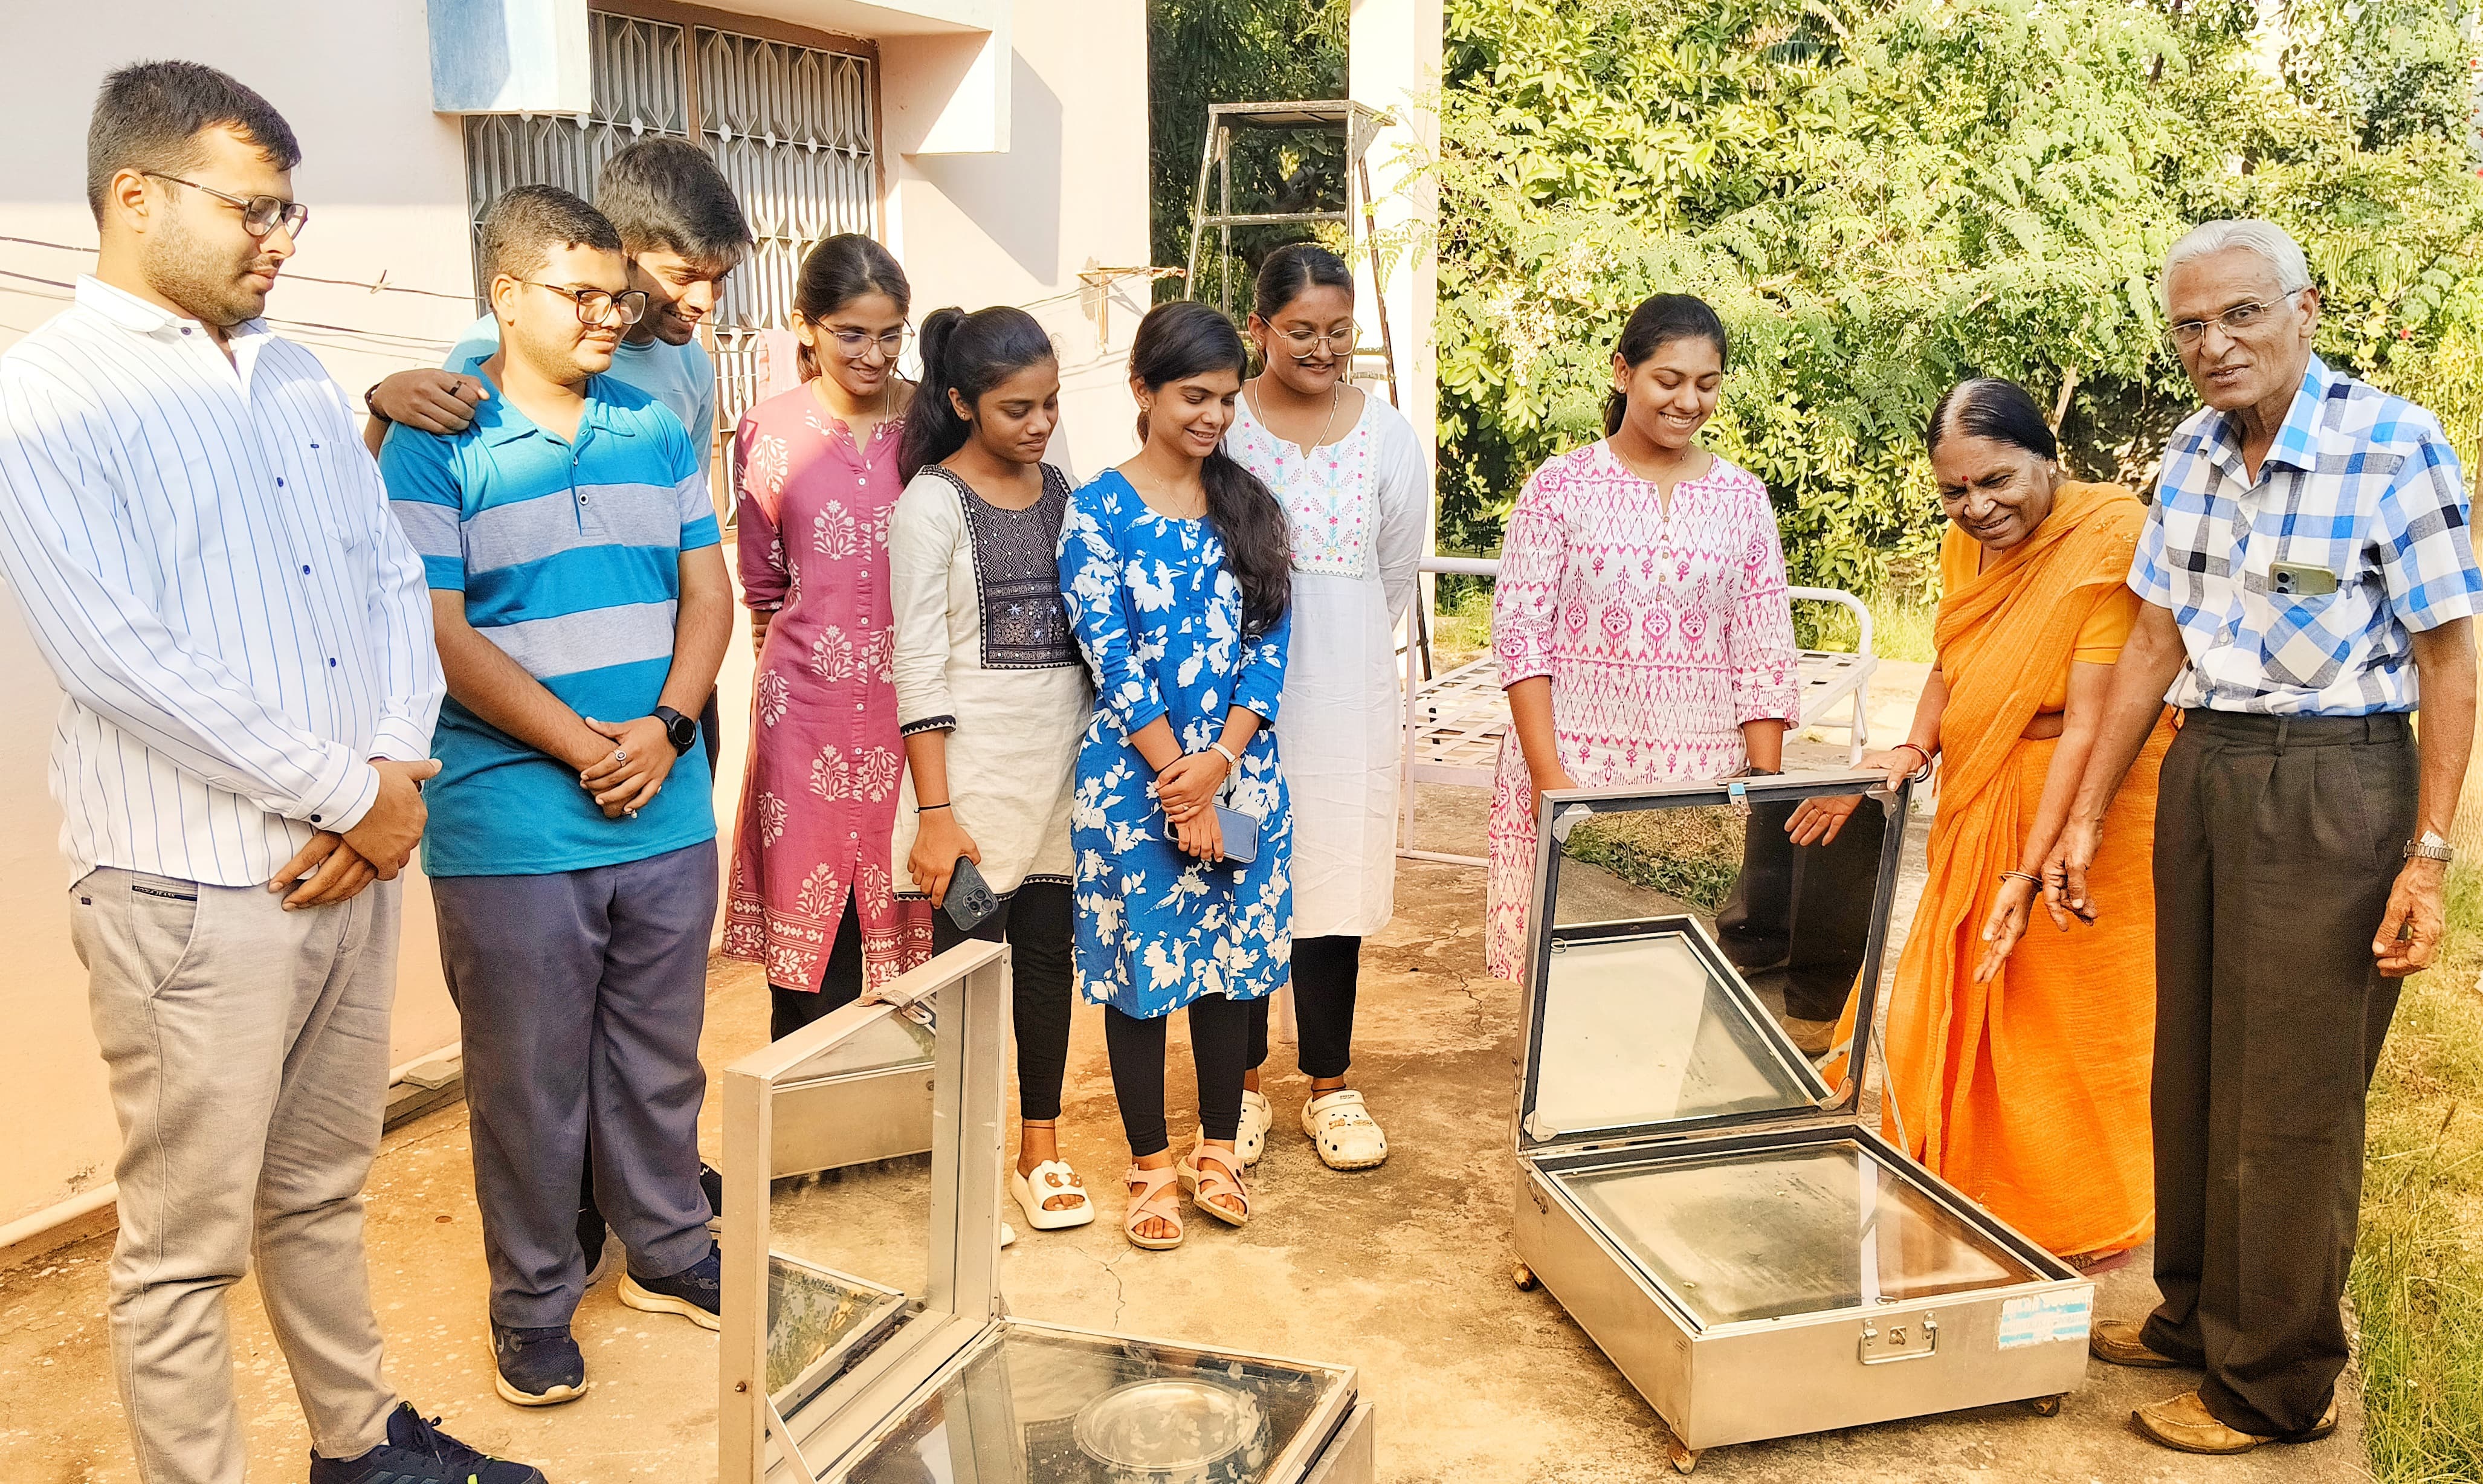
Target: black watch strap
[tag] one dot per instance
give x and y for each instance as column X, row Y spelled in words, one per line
column 681, row 729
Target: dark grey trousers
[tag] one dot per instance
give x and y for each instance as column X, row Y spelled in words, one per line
column 582, row 995
column 2276, row 844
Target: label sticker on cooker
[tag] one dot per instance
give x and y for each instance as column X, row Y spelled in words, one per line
column 2042, row 1318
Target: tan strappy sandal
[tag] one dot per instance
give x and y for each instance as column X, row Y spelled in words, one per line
column 1153, row 1198
column 1211, row 1179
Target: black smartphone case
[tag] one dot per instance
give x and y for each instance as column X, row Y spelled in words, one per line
column 970, row 901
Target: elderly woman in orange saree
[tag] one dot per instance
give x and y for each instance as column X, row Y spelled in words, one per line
column 2018, row 1060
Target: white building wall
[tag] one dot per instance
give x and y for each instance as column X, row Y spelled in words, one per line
column 385, row 177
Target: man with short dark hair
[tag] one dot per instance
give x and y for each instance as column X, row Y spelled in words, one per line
column 579, row 594
column 204, row 552
column 2309, row 580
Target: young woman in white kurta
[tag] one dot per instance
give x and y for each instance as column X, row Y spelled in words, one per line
column 991, row 695
column 1355, row 487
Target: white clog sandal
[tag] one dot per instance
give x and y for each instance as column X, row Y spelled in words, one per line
column 1257, row 1118
column 1050, row 1181
column 1344, row 1132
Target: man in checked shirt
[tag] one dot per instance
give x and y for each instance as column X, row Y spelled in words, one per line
column 2309, row 582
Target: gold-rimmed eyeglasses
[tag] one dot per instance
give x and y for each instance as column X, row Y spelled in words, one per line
column 1306, row 342
column 260, row 214
column 595, row 305
column 855, row 344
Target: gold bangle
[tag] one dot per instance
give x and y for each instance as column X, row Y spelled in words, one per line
column 2028, row 877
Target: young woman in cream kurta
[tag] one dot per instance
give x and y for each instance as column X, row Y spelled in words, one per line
column 1351, row 478
column 992, row 694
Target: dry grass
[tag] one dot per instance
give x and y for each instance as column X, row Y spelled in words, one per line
column 2417, row 1280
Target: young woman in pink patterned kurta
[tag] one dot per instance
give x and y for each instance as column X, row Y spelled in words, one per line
column 1640, row 616
column 812, row 894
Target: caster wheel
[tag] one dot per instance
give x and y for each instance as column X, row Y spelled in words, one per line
column 1522, row 1276
column 2046, row 1406
column 1683, row 1459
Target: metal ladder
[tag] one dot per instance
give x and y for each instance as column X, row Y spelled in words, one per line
column 1360, row 125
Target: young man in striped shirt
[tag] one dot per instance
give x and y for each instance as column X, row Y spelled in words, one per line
column 203, row 553
column 582, row 608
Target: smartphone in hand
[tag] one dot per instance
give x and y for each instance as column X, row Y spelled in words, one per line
column 970, row 901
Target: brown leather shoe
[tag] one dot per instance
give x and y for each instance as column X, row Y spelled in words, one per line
column 2184, row 1422
column 1812, row 1038
column 2118, row 1343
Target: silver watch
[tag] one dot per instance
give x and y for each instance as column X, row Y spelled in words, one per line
column 2430, row 847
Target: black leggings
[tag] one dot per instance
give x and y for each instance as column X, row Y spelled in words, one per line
column 1034, row 920
column 1220, row 1040
column 1325, row 972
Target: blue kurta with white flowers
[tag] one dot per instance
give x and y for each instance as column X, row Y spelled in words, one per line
column 1159, row 616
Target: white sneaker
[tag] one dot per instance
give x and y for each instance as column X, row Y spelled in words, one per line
column 1344, row 1131
column 1257, row 1118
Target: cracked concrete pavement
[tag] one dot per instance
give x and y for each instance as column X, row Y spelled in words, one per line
column 1403, row 1272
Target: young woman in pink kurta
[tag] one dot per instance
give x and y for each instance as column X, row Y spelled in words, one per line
column 1640, row 615
column 813, row 898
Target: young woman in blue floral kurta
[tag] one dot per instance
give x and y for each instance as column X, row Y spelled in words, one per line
column 1186, row 638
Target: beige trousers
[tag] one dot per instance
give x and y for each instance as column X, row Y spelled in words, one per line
column 249, row 1053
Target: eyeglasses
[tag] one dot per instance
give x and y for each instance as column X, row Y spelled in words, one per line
column 855, row 344
column 260, row 214
column 1304, row 342
column 2240, row 317
column 595, row 305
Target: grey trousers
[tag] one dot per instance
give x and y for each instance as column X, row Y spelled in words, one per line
column 2276, row 843
column 582, row 995
column 249, row 1053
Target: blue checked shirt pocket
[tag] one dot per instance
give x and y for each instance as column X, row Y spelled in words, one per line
column 2307, row 640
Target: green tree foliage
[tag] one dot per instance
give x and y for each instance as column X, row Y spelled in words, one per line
column 1880, row 197
column 1238, row 51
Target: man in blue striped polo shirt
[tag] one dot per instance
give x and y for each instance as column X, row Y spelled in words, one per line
column 582, row 608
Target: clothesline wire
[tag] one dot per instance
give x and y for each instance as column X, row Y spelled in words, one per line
column 381, row 286
column 381, row 340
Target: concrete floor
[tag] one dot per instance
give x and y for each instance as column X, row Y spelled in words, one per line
column 1403, row 1272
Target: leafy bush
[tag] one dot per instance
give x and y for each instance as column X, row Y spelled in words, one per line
column 1882, row 195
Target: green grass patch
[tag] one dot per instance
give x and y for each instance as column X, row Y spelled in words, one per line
column 1691, row 855
column 2417, row 1280
column 1901, row 626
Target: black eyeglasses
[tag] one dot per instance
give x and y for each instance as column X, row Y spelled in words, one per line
column 260, row 214
column 594, row 306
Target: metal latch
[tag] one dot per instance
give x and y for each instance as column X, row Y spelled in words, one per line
column 1883, row 1343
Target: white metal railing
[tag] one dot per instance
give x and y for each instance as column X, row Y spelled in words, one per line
column 1454, row 722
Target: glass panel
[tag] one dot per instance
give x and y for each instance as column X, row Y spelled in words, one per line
column 1777, row 1233
column 1645, row 1028
column 1042, row 1408
column 1649, row 1027
column 883, row 1045
column 850, row 1235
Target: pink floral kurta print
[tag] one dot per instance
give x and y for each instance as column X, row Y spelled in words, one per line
column 818, row 804
column 1662, row 635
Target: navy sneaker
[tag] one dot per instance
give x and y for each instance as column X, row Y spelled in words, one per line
column 418, row 1452
column 537, row 1368
column 711, row 1181
column 694, row 1293
column 591, row 1232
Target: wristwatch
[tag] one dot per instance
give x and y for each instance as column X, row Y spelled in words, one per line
column 2431, row 847
column 681, row 729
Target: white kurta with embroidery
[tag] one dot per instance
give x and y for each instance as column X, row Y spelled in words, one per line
column 1356, row 509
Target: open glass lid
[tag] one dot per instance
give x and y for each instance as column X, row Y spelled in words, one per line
column 1683, row 937
column 1035, row 1406
column 861, row 1230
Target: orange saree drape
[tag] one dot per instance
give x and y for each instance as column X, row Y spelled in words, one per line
column 2030, row 1093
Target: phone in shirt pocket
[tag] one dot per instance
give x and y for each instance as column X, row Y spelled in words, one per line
column 2299, row 580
